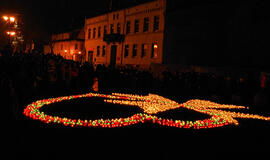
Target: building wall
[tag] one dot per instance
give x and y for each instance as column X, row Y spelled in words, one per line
column 67, row 49
column 148, row 39
column 69, row 45
column 61, row 36
column 92, row 42
column 46, row 49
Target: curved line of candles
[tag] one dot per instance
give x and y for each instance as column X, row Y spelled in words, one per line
column 151, row 105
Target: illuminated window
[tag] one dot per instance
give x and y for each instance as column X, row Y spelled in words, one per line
column 146, row 24
column 103, row 51
column 118, row 28
column 128, row 27
column 89, row 33
column 144, row 50
column 98, row 51
column 156, row 23
column 134, row 50
column 136, row 26
column 126, row 50
column 154, row 50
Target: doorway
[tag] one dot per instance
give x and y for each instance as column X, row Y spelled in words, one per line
column 90, row 57
column 113, row 55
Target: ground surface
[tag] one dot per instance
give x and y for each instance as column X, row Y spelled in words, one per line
column 35, row 139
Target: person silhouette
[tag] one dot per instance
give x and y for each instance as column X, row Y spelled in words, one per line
column 95, row 84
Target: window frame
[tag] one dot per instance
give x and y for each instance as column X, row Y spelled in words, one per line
column 128, row 27
column 146, row 22
column 144, row 50
column 153, row 50
column 134, row 50
column 156, row 23
column 136, row 26
column 126, row 50
column 105, row 30
column 103, row 50
column 112, row 28
column 98, row 51
column 89, row 33
column 94, row 33
column 118, row 28
column 99, row 32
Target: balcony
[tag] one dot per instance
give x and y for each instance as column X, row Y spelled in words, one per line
column 112, row 38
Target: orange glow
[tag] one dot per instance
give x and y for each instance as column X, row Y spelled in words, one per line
column 12, row 33
column 65, row 51
column 151, row 104
column 80, row 52
column 5, row 18
column 12, row 19
column 155, row 46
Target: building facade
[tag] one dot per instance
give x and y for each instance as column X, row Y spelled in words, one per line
column 132, row 36
column 69, row 45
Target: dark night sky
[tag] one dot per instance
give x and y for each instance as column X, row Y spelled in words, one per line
column 43, row 17
column 220, row 33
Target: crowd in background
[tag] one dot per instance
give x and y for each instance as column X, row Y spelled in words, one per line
column 28, row 77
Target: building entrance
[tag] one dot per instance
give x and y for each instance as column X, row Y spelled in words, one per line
column 90, row 57
column 113, row 55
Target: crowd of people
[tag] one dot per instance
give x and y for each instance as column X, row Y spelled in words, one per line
column 28, row 77
column 229, row 88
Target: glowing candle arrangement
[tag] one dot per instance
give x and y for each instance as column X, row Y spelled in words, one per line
column 151, row 105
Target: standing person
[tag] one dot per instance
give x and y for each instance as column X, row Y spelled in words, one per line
column 74, row 73
column 51, row 75
column 261, row 98
column 68, row 75
column 95, row 84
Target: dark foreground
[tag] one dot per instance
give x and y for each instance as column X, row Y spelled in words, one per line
column 33, row 139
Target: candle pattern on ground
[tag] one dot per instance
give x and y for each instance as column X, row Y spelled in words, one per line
column 151, row 105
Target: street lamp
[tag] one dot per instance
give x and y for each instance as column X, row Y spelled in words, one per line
column 12, row 26
column 65, row 54
column 9, row 19
column 11, row 33
column 5, row 18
